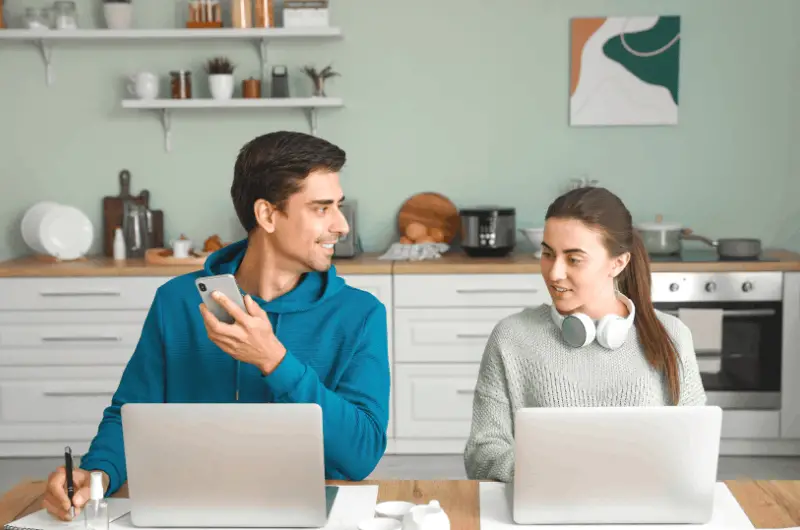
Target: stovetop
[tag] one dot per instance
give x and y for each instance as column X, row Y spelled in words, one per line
column 701, row 256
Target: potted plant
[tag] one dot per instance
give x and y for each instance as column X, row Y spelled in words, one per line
column 118, row 14
column 318, row 78
column 220, row 77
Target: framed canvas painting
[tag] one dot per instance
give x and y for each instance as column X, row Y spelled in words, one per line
column 624, row 70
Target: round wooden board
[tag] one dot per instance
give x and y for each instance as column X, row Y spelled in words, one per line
column 433, row 210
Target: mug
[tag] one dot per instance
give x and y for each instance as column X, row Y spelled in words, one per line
column 144, row 85
column 181, row 248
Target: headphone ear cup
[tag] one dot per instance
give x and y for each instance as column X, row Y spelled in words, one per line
column 612, row 330
column 578, row 330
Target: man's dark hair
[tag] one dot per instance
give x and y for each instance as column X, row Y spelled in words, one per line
column 273, row 166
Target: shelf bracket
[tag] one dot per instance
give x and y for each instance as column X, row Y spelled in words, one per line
column 46, row 50
column 311, row 115
column 166, row 124
column 262, row 55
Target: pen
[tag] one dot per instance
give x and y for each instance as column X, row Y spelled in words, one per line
column 70, row 484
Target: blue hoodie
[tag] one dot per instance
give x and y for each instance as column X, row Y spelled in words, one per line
column 337, row 356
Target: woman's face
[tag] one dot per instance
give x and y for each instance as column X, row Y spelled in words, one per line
column 577, row 268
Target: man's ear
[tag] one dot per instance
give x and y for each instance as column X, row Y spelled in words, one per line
column 265, row 215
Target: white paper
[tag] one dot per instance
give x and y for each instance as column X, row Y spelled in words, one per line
column 351, row 506
column 706, row 328
column 41, row 520
column 496, row 514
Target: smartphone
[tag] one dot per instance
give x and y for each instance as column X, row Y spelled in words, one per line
column 225, row 284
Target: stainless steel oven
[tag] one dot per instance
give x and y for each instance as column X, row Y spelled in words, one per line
column 736, row 319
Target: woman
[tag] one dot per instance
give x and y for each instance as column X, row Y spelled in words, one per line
column 600, row 344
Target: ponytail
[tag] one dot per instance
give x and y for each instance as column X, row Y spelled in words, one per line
column 634, row 282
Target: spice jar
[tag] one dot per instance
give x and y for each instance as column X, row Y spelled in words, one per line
column 181, row 84
column 251, row 88
column 36, row 18
column 66, row 16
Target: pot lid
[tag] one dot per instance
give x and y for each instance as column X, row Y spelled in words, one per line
column 659, row 225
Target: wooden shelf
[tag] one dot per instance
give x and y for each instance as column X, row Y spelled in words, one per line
column 44, row 40
column 165, row 107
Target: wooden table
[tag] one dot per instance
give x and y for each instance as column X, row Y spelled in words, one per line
column 768, row 503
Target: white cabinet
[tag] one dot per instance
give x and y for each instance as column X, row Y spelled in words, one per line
column 64, row 343
column 442, row 323
column 380, row 285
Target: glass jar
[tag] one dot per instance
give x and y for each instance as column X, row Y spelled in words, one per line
column 66, row 15
column 181, row 84
column 37, row 18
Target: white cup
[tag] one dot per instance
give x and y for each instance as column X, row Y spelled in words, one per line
column 181, row 248
column 144, row 85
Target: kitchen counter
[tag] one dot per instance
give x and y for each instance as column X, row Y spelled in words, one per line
column 459, row 263
column 454, row 262
column 32, row 266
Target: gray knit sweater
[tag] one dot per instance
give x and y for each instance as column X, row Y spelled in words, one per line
column 526, row 363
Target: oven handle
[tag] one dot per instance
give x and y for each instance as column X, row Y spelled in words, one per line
column 737, row 312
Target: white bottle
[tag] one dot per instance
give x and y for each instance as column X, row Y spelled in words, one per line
column 119, row 244
column 96, row 509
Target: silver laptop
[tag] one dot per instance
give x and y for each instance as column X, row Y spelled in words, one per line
column 225, row 465
column 615, row 465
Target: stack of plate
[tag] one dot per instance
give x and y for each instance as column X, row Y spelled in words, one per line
column 57, row 230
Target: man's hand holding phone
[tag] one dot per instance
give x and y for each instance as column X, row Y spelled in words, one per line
column 250, row 338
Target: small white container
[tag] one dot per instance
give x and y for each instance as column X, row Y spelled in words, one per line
column 119, row 244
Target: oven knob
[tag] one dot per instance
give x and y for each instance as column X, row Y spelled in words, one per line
column 673, row 287
column 747, row 286
column 711, row 287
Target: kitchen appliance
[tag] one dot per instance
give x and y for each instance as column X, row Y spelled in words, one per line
column 137, row 228
column 488, row 231
column 742, row 369
column 347, row 246
column 660, row 238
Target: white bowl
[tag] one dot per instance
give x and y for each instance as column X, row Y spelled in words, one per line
column 535, row 236
column 394, row 509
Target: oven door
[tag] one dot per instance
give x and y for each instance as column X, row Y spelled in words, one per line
column 738, row 348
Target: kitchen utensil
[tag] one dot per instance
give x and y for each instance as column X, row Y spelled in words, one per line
column 136, row 226
column 488, row 231
column 661, row 238
column 348, row 246
column 157, row 217
column 435, row 212
column 113, row 208
column 730, row 248
column 165, row 256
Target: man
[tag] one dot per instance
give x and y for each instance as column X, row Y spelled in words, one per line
column 307, row 337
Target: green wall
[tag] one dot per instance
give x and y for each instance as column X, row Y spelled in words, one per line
column 465, row 97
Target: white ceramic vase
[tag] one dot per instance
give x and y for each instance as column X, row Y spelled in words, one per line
column 119, row 15
column 221, row 86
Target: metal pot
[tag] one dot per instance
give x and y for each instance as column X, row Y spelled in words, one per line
column 661, row 238
column 731, row 248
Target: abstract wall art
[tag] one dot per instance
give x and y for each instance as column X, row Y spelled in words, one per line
column 624, row 70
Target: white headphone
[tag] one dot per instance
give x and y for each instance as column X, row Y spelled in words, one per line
column 579, row 329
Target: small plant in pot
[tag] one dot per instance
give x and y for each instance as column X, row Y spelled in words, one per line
column 318, row 77
column 220, row 77
column 118, row 14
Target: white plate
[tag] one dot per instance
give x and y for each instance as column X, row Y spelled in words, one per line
column 66, row 233
column 31, row 222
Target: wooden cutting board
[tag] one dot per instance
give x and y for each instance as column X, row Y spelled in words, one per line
column 433, row 211
column 114, row 208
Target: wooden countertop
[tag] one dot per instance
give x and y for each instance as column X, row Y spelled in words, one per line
column 454, row 262
column 768, row 503
column 37, row 267
column 459, row 263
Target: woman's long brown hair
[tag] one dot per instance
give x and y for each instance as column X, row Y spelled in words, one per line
column 601, row 210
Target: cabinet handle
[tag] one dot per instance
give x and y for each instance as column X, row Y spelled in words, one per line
column 81, row 339
column 496, row 291
column 465, row 391
column 79, row 293
column 737, row 312
column 78, row 393
column 472, row 335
